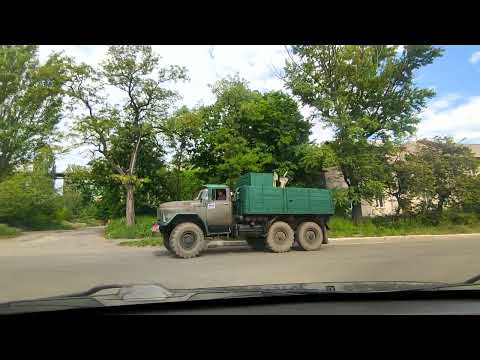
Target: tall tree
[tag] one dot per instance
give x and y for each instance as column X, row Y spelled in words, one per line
column 135, row 72
column 440, row 169
column 181, row 130
column 30, row 103
column 245, row 130
column 368, row 96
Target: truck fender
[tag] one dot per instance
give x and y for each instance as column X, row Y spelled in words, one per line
column 188, row 217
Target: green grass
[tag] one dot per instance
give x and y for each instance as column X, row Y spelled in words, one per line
column 117, row 228
column 341, row 227
column 151, row 241
column 7, row 231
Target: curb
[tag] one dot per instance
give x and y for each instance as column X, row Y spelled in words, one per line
column 401, row 237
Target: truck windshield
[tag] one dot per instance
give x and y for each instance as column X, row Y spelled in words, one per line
column 202, row 194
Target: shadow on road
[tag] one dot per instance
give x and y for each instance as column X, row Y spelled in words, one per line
column 221, row 250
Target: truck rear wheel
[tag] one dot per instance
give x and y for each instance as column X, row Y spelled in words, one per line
column 309, row 235
column 280, row 237
column 187, row 240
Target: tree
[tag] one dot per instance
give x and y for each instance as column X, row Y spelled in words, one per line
column 181, row 130
column 30, row 103
column 245, row 130
column 135, row 72
column 367, row 95
column 28, row 197
column 441, row 171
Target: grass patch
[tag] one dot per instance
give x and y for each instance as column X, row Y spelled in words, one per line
column 151, row 241
column 117, row 228
column 342, row 227
column 7, row 231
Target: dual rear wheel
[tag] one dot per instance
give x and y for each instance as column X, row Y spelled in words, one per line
column 280, row 237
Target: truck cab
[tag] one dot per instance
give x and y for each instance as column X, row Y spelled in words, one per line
column 216, row 208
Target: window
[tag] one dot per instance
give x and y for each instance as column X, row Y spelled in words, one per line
column 219, row 194
column 379, row 202
column 203, row 194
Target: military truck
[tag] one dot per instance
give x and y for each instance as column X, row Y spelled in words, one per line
column 260, row 210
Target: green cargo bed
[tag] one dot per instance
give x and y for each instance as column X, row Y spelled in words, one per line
column 275, row 200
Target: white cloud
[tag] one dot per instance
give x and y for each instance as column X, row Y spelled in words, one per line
column 459, row 120
column 475, row 57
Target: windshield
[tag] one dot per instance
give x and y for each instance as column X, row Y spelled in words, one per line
column 203, row 194
column 355, row 163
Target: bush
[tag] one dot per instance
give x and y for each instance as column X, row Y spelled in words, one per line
column 7, row 231
column 29, row 200
column 117, row 228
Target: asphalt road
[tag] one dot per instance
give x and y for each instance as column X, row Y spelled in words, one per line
column 50, row 263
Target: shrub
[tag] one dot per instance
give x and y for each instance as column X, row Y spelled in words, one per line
column 7, row 231
column 118, row 229
column 29, row 200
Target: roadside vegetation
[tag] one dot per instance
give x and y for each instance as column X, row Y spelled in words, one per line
column 8, row 231
column 391, row 226
column 118, row 229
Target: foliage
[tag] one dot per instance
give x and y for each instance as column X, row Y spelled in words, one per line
column 445, row 168
column 181, row 130
column 367, row 95
column 438, row 172
column 29, row 200
column 245, row 130
column 118, row 229
column 134, row 71
column 8, row 231
column 31, row 99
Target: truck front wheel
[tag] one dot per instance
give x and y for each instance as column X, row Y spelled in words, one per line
column 280, row 237
column 187, row 240
column 166, row 241
column 309, row 235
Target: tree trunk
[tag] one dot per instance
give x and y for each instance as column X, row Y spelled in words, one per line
column 130, row 212
column 441, row 201
column 356, row 212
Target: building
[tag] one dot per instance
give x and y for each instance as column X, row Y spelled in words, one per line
column 386, row 205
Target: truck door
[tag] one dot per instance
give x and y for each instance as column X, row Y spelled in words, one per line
column 219, row 210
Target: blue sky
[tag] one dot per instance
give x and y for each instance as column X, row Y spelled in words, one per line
column 453, row 72
column 455, row 111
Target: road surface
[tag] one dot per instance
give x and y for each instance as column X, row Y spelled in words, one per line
column 50, row 263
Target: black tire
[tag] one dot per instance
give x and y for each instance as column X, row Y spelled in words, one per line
column 325, row 234
column 309, row 236
column 256, row 243
column 280, row 237
column 187, row 240
column 166, row 242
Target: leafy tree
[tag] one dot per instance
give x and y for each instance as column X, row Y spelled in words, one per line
column 368, row 96
column 441, row 171
column 135, row 72
column 30, row 103
column 245, row 130
column 28, row 197
column 181, row 130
